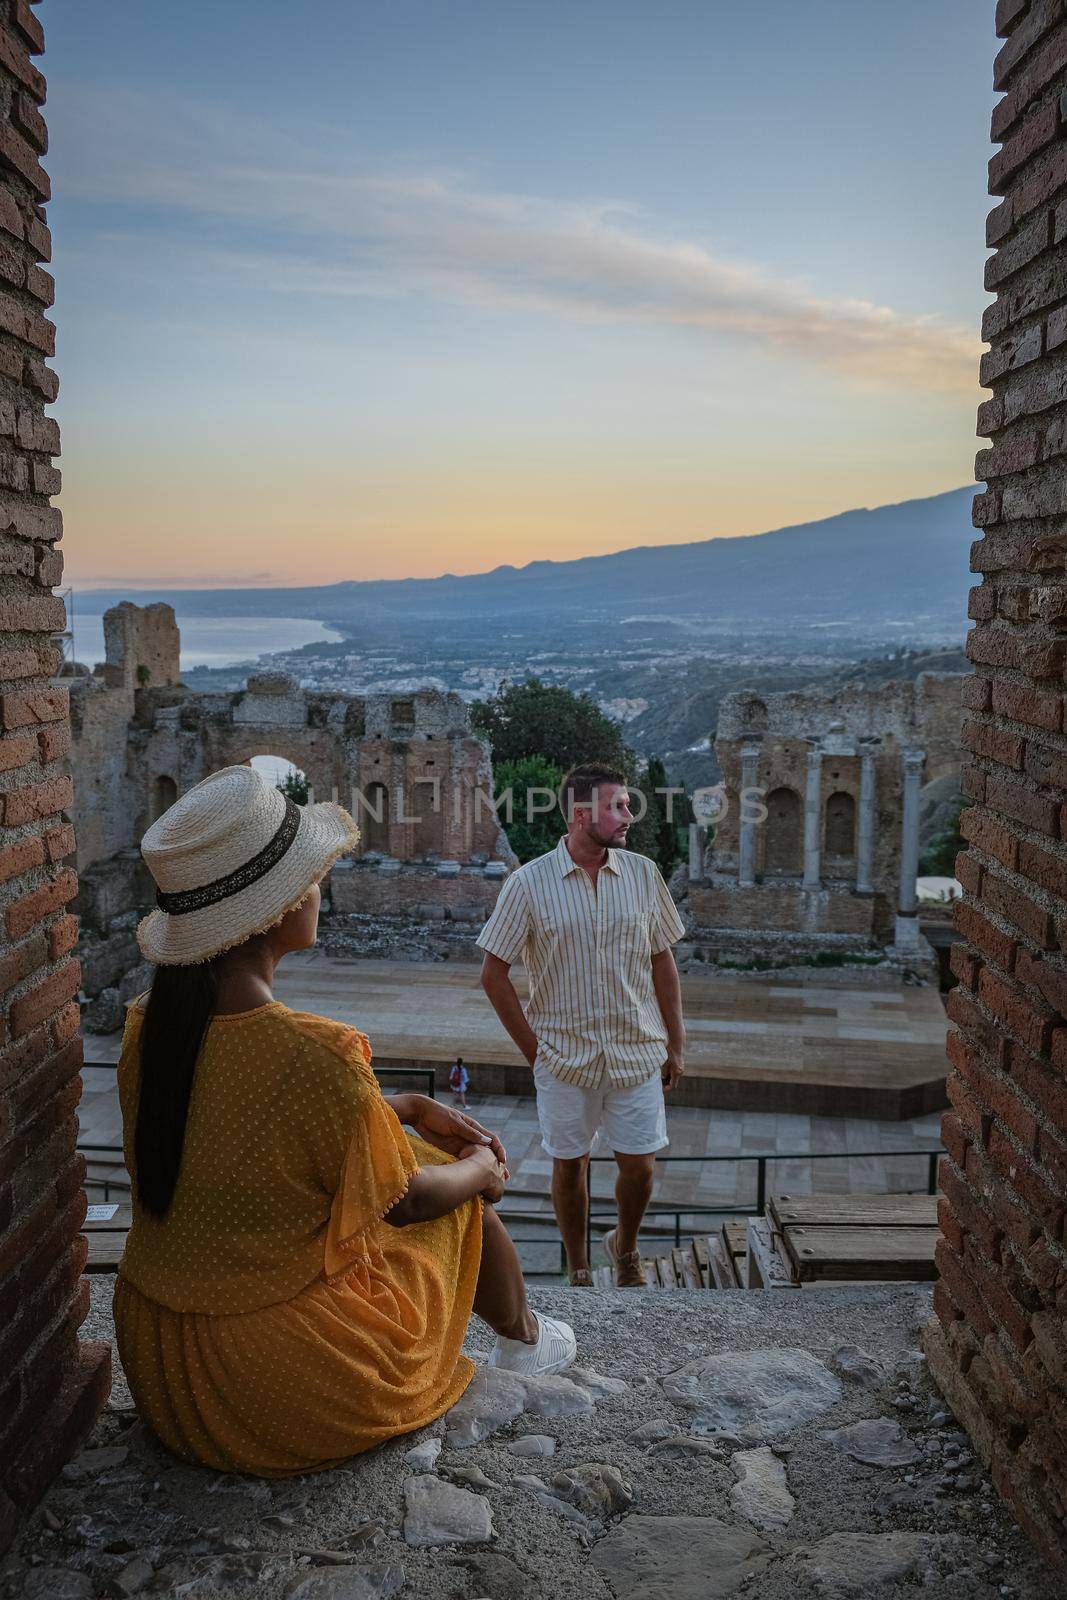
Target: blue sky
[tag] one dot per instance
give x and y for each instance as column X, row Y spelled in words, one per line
column 378, row 290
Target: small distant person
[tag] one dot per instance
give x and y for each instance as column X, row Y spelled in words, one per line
column 459, row 1082
column 603, row 1031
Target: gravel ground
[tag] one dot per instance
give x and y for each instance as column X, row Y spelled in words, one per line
column 659, row 1520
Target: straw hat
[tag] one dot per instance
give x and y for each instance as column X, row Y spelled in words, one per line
column 230, row 858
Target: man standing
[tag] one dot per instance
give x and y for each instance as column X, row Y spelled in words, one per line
column 603, row 1029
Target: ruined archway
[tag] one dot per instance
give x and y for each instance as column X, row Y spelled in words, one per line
column 784, row 834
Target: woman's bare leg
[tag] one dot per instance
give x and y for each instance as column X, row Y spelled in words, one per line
column 500, row 1298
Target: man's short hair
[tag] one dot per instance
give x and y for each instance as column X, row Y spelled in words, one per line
column 582, row 782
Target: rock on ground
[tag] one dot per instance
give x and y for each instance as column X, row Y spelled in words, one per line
column 565, row 1527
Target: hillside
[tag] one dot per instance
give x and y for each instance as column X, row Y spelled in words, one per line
column 895, row 572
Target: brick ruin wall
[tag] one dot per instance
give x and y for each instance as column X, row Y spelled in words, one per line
column 998, row 1345
column 411, row 769
column 51, row 1386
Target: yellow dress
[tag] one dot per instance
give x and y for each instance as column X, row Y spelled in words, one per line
column 271, row 1322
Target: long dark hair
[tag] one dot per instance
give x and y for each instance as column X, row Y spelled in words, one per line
column 180, row 1004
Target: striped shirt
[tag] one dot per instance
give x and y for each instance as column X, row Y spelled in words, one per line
column 588, row 952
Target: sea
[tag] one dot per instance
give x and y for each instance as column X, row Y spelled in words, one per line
column 214, row 641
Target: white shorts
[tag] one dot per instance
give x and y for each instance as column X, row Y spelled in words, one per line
column 631, row 1120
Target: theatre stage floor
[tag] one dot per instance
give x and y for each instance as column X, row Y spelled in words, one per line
column 754, row 1043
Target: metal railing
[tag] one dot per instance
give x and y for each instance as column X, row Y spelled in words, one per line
column 600, row 1218
column 425, row 1074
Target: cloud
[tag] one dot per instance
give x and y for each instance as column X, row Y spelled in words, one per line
column 261, row 203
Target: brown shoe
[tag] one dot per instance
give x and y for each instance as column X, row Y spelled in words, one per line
column 628, row 1272
column 581, row 1278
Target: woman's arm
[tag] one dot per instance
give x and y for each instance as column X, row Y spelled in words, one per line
column 435, row 1191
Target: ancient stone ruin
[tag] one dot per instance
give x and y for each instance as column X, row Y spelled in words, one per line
column 411, row 770
column 816, row 844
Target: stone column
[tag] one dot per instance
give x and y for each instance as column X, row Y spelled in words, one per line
column 813, row 821
column 907, row 932
column 865, row 829
column 909, row 830
column 746, row 873
column 697, row 843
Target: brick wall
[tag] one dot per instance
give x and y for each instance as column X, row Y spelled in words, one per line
column 51, row 1387
column 998, row 1346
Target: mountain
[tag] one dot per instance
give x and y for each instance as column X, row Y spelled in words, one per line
column 886, row 571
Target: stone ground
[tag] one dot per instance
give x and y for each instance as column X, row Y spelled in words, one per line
column 776, row 1445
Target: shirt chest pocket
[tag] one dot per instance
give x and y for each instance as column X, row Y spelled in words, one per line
column 630, row 928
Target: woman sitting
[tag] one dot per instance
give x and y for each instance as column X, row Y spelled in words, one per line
column 300, row 1272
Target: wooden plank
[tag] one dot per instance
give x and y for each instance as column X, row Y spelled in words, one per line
column 694, row 1277
column 853, row 1210
column 648, row 1267
column 720, row 1267
column 105, row 1249
column 603, row 1278
column 887, row 1254
column 765, row 1268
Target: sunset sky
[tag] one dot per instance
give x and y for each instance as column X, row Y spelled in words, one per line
column 362, row 290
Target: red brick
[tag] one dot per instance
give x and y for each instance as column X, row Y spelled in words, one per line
column 16, row 753
column 1031, row 919
column 40, row 377
column 969, row 1212
column 952, row 1137
column 54, row 743
column 982, row 603
column 38, row 800
column 48, row 480
column 1004, row 647
column 67, row 1023
column 990, row 417
column 60, row 842
column 962, row 1290
column 19, row 962
column 960, row 1008
column 990, row 836
column 977, row 693
column 39, row 237
column 1036, row 133
column 1028, row 31
column 963, row 962
column 985, row 509
column 1030, row 1022
column 28, row 26
column 32, row 614
column 1008, row 14
column 62, row 936
column 30, row 908
column 1046, row 765
column 1014, row 799
column 20, row 857
column 40, row 1002
column 991, row 941
column 1045, row 976
column 22, row 708
column 30, row 122
column 39, row 1089
column 63, row 1423
column 975, row 1120
column 1038, row 708
column 996, row 744
column 1020, row 1173
column 21, row 157
column 972, row 782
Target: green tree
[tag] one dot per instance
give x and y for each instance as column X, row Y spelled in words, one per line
column 938, row 860
column 661, row 831
column 532, row 830
column 547, row 720
column 295, row 787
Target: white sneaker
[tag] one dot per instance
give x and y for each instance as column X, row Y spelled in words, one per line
column 555, row 1349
